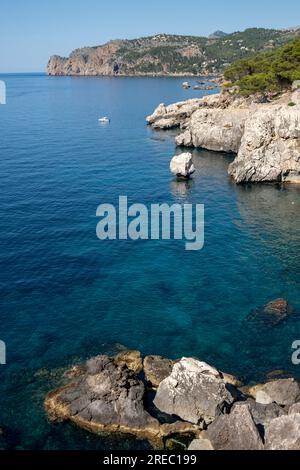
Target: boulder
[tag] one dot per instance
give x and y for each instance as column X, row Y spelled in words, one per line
column 284, row 392
column 263, row 414
column 194, row 391
column 271, row 314
column 182, row 165
column 157, row 369
column 131, row 359
column 283, row 433
column 200, row 444
column 236, row 431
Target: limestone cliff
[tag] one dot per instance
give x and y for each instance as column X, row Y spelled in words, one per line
column 265, row 136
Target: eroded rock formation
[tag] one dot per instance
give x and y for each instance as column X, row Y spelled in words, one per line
column 264, row 135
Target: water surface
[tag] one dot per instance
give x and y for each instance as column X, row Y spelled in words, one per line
column 66, row 296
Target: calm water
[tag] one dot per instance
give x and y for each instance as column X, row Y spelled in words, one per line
column 66, row 296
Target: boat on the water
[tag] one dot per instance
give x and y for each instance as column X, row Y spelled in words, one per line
column 104, row 120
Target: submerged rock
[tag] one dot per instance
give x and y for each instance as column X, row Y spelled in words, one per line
column 182, row 165
column 157, row 369
column 283, row 433
column 236, row 431
column 194, row 391
column 273, row 313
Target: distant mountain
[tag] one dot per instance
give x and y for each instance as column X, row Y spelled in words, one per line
column 165, row 54
column 218, row 35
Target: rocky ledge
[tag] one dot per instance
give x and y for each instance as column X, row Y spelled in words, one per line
column 195, row 405
column 264, row 134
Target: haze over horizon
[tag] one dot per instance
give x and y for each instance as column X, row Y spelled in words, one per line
column 32, row 31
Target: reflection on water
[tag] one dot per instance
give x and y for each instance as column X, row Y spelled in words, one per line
column 180, row 189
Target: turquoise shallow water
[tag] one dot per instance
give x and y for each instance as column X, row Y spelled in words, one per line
column 66, row 296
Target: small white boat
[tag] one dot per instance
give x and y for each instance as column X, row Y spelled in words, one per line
column 104, row 120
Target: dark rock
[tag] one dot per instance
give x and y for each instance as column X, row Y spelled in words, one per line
column 236, row 431
column 109, row 398
column 263, row 414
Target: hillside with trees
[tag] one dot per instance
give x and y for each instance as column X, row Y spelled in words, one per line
column 269, row 71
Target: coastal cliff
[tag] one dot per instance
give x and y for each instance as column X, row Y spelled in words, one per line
column 167, row 55
column 264, row 134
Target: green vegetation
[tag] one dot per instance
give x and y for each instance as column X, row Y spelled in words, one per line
column 269, row 71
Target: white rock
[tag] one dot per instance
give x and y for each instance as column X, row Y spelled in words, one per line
column 182, row 165
column 194, row 391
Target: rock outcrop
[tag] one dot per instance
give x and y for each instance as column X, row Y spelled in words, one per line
column 110, row 395
column 182, row 165
column 163, row 54
column 264, row 135
column 194, row 391
column 109, row 398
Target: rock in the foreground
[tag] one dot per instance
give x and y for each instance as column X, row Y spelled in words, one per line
column 236, row 431
column 182, row 165
column 194, row 391
column 283, row 433
column 109, row 398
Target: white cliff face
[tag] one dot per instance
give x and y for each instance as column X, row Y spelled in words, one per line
column 270, row 147
column 265, row 137
column 214, row 129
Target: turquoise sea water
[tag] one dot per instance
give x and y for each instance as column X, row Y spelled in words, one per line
column 66, row 296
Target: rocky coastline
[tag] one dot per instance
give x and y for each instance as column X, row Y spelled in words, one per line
column 184, row 403
column 263, row 132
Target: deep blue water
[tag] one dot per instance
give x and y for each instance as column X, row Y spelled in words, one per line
column 66, row 296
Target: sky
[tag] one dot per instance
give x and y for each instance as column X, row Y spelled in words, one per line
column 33, row 30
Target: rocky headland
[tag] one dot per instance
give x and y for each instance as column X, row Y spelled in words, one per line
column 184, row 403
column 167, row 54
column 263, row 131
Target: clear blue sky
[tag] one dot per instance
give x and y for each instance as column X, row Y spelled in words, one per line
column 32, row 30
